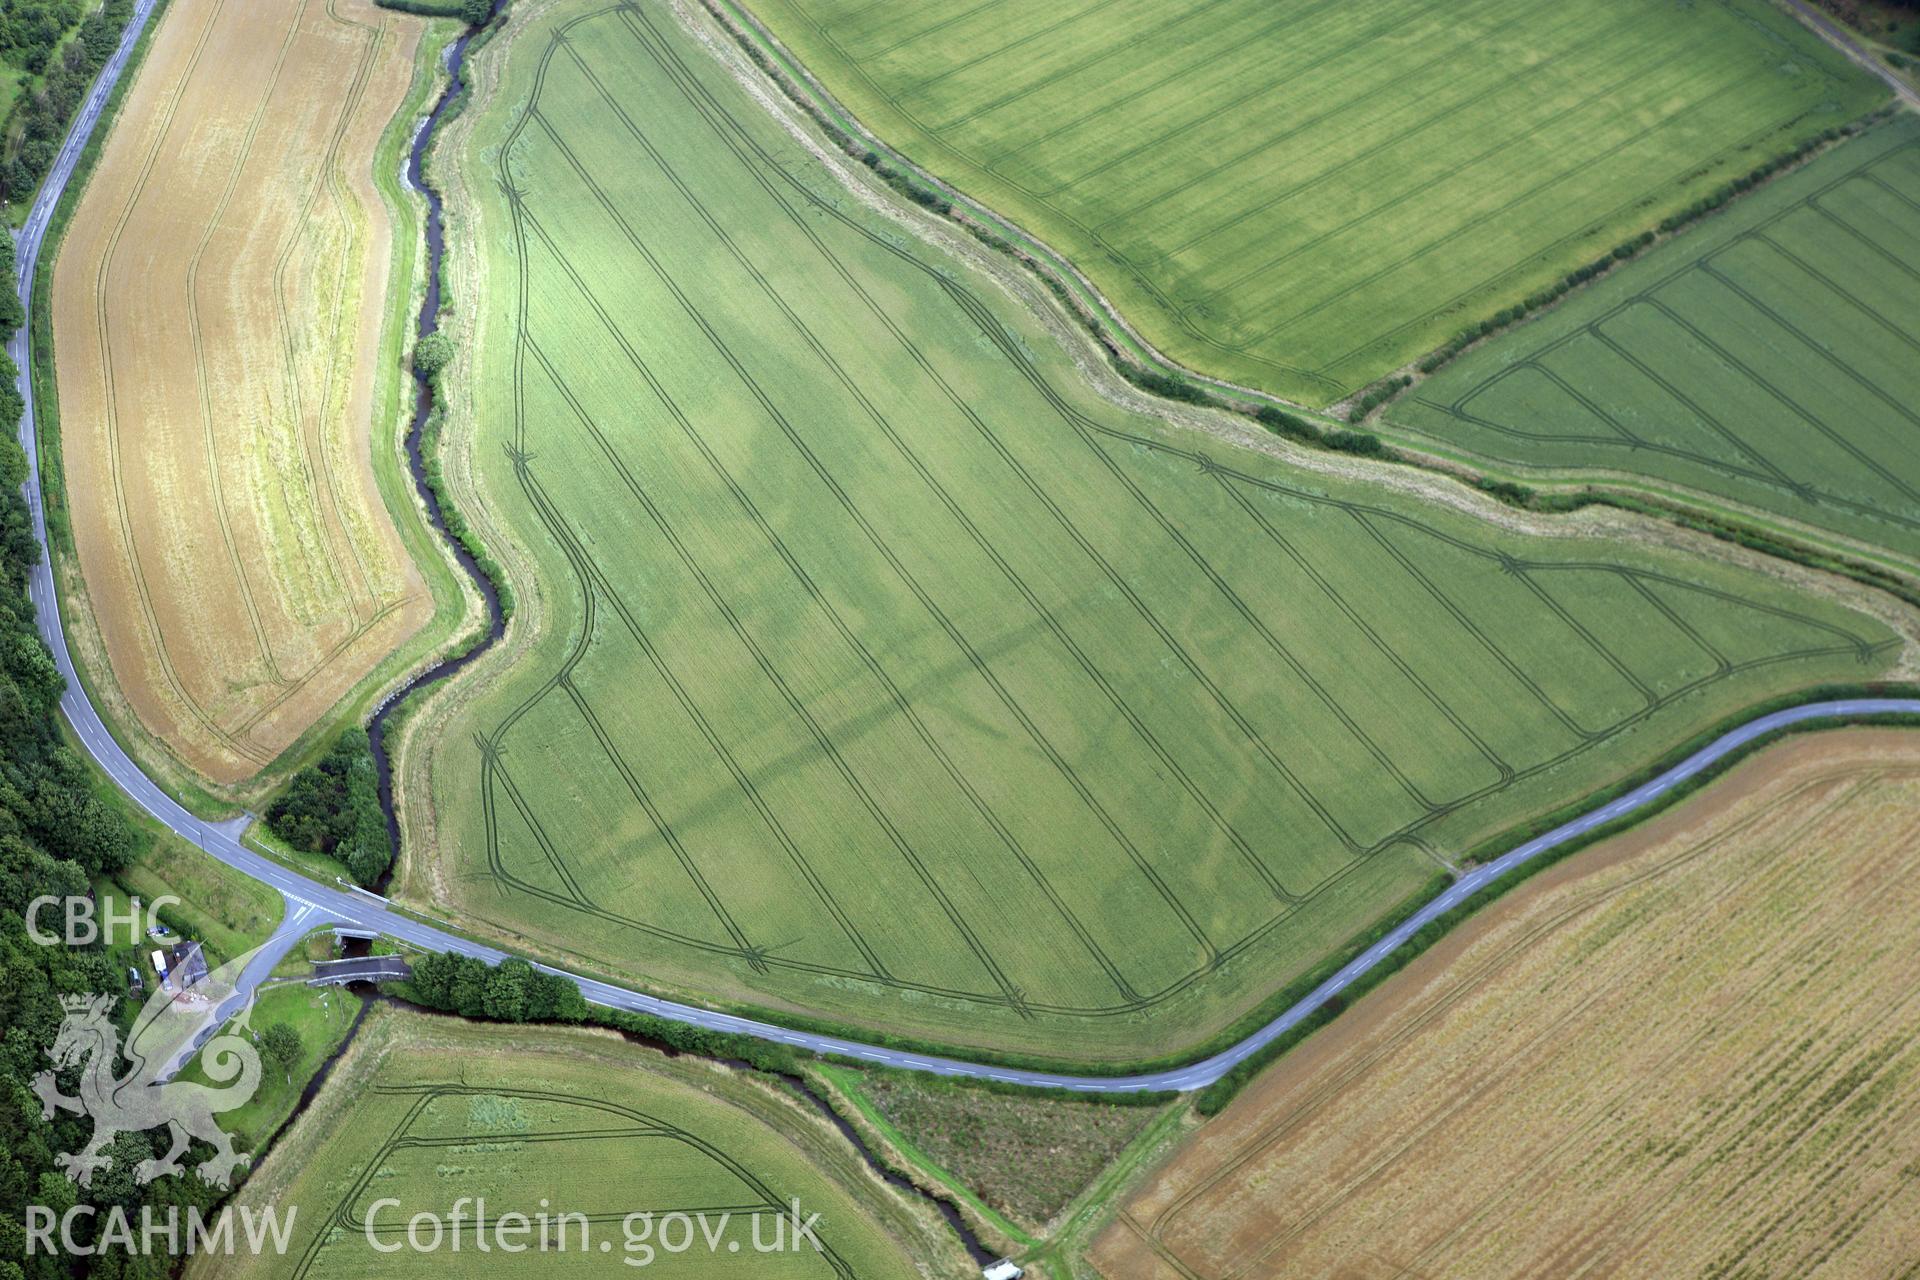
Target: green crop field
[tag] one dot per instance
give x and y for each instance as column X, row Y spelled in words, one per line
column 871, row 665
column 1770, row 357
column 1303, row 196
column 479, row 1123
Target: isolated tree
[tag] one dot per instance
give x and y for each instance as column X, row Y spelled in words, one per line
column 432, row 354
column 282, row 1045
column 475, row 12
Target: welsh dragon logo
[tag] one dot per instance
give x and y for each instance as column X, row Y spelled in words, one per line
column 162, row 1040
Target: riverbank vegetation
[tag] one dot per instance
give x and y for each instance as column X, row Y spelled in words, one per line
column 1302, row 200
column 333, row 807
column 891, row 676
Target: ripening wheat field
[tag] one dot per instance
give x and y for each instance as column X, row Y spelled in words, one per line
column 218, row 306
column 1689, row 1052
column 875, row 667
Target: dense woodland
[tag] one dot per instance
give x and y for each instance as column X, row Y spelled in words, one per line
column 30, row 34
column 29, row 30
column 55, row 834
column 333, row 807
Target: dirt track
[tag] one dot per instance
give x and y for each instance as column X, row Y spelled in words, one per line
column 1715, row 1003
column 216, row 417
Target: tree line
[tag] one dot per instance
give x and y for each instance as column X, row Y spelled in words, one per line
column 56, row 835
column 29, row 30
column 333, row 807
column 515, row 991
column 471, row 12
column 38, row 121
column 511, row 991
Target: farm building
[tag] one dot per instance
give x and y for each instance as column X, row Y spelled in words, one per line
column 186, row 967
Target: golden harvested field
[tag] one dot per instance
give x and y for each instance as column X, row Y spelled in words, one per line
column 217, row 306
column 1691, row 1052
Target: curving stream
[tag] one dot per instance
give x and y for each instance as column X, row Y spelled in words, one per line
column 423, row 404
column 309, row 899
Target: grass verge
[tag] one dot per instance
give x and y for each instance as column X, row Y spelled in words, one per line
column 82, row 628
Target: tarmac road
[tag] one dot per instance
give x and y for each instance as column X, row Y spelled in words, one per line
column 1843, row 40
column 311, row 904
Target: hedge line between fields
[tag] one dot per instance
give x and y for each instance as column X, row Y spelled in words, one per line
column 1174, row 387
column 1282, row 422
column 465, row 10
column 1215, row 1097
column 1780, row 547
column 1301, row 430
column 1154, row 381
column 1633, row 248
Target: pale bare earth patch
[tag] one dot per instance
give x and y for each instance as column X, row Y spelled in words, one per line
column 217, row 307
column 1690, row 1051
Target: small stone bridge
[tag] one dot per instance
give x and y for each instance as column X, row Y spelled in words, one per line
column 363, row 969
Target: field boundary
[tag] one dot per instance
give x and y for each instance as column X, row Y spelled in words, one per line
column 1073, row 1074
column 357, row 909
column 1215, row 1097
column 393, row 1031
column 1155, row 374
column 1121, row 339
column 1116, row 336
column 1763, row 807
column 1583, row 466
column 198, row 794
column 1633, row 250
column 495, row 929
